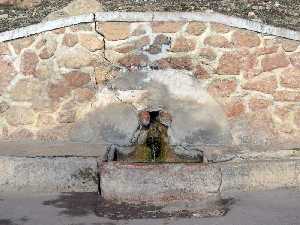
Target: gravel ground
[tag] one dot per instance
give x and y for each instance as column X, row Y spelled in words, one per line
column 13, row 17
column 283, row 13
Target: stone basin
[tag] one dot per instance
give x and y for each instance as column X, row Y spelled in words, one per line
column 158, row 183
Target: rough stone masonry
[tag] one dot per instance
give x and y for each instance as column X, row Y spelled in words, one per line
column 54, row 84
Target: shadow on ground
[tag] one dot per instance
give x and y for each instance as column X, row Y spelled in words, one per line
column 10, row 222
column 83, row 204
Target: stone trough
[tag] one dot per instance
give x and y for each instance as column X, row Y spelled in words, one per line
column 158, row 183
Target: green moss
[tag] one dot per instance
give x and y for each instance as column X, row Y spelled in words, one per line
column 86, row 174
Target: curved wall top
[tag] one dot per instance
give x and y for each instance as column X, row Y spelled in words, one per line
column 147, row 17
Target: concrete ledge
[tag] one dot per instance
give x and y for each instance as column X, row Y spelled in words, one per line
column 48, row 174
column 63, row 149
column 46, row 26
column 260, row 175
column 165, row 182
column 227, row 20
column 143, row 182
column 148, row 17
column 124, row 16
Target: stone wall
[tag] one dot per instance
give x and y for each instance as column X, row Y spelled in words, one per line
column 52, row 80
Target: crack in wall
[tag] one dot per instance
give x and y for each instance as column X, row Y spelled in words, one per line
column 103, row 36
column 221, row 180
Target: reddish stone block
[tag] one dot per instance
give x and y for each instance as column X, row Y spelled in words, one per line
column 196, row 28
column 222, row 87
column 266, row 50
column 220, row 28
column 182, row 44
column 59, row 90
column 259, row 103
column 263, row 83
column 70, row 39
column 200, row 72
column 166, row 27
column 234, row 108
column 77, row 78
column 114, row 31
column 7, row 72
column 7, row 2
column 245, row 39
column 229, row 64
column 92, row 42
column 134, row 61
column 49, row 49
column 274, row 61
column 249, row 62
column 287, row 96
column 217, row 41
column 29, row 61
column 180, row 63
column 290, row 78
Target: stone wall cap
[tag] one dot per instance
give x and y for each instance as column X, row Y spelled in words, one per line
column 45, row 26
column 124, row 16
column 207, row 16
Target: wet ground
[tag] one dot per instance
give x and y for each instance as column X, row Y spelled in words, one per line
column 283, row 13
column 279, row 207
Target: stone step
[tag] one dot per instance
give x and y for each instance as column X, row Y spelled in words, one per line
column 49, row 167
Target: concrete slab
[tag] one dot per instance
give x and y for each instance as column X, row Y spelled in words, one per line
column 64, row 167
column 259, row 175
column 279, row 207
column 48, row 174
column 34, row 149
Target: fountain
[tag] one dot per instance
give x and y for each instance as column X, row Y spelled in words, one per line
column 151, row 142
column 164, row 161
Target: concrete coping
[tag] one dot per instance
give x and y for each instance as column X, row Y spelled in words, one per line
column 207, row 16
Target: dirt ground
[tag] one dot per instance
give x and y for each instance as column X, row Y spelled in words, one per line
column 283, row 13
